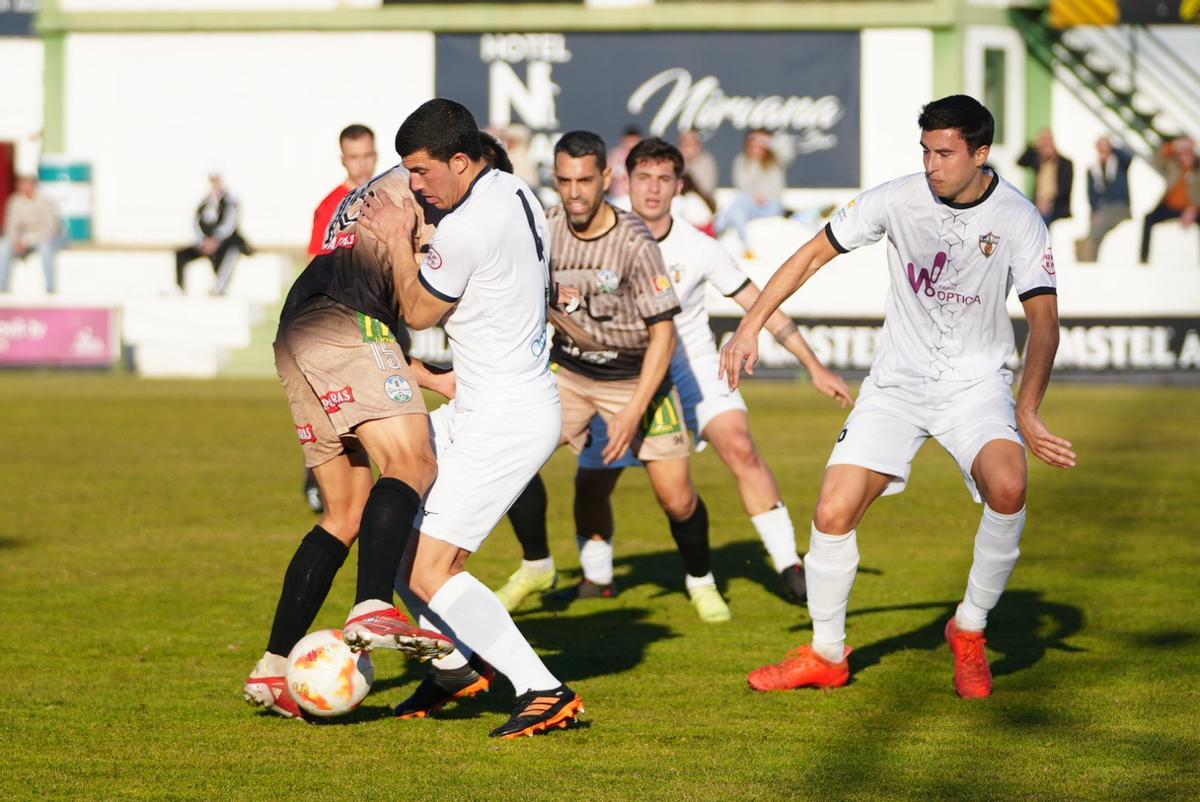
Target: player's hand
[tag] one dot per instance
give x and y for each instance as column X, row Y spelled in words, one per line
column 621, row 430
column 568, row 297
column 386, row 221
column 1046, row 446
column 443, row 383
column 209, row 246
column 826, row 382
column 740, row 353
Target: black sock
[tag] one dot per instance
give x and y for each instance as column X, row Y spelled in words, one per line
column 306, row 583
column 387, row 523
column 691, row 537
column 593, row 501
column 528, row 518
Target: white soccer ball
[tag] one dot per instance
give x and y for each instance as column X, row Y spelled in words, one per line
column 325, row 677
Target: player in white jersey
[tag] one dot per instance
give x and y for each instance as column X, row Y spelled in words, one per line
column 486, row 275
column 713, row 411
column 959, row 238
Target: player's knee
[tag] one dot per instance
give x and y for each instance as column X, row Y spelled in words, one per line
column 678, row 504
column 1007, row 494
column 742, row 456
column 595, row 484
column 834, row 516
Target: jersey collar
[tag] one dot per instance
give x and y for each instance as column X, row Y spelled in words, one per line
column 987, row 193
column 670, row 226
column 486, row 169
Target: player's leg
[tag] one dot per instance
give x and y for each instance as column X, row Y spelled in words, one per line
column 224, row 259
column 183, row 256
column 729, row 433
column 594, row 529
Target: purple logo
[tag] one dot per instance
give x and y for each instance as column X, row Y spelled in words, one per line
column 925, row 279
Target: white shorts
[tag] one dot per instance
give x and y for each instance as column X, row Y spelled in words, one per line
column 485, row 459
column 888, row 425
column 703, row 396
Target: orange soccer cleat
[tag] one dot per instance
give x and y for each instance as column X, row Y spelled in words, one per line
column 972, row 676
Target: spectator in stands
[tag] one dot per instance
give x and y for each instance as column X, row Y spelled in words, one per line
column 698, row 163
column 1053, row 174
column 217, row 236
column 516, row 139
column 1108, row 194
column 618, row 187
column 1177, row 161
column 357, row 143
column 31, row 223
column 759, row 176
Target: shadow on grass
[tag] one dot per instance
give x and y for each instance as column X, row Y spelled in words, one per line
column 12, row 542
column 1022, row 628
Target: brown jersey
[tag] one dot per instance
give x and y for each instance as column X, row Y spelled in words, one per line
column 625, row 289
column 357, row 270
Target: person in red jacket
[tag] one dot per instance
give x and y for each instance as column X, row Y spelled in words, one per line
column 357, row 143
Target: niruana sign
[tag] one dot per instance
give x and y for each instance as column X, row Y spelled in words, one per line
column 802, row 85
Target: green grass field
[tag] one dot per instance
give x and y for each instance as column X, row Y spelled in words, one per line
column 147, row 525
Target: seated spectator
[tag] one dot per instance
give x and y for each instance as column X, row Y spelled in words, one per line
column 217, row 236
column 1108, row 195
column 31, row 223
column 618, row 187
column 1052, row 179
column 759, row 176
column 698, row 163
column 695, row 206
column 1177, row 162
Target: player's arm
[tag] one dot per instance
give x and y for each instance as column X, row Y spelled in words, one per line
column 784, row 330
column 1042, row 313
column 395, row 226
column 741, row 352
column 432, row 377
column 655, row 364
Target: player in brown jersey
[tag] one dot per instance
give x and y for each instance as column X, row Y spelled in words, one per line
column 352, row 392
column 613, row 358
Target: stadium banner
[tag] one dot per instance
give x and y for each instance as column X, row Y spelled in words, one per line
column 59, row 335
column 16, row 17
column 803, row 85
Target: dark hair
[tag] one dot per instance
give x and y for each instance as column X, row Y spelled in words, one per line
column 578, row 144
column 355, row 131
column 441, row 128
column 973, row 121
column 494, row 153
column 631, row 130
column 654, row 149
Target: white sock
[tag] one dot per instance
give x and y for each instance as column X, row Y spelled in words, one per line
column 368, row 606
column 698, row 581
column 596, row 560
column 272, row 665
column 546, row 564
column 427, row 619
column 997, row 547
column 778, row 535
column 479, row 621
column 829, row 569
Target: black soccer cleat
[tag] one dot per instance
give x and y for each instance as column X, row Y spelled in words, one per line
column 794, row 587
column 541, row 711
column 445, row 685
column 586, row 589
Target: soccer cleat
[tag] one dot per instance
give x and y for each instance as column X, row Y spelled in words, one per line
column 390, row 629
column 271, row 693
column 524, row 581
column 586, row 589
column 972, row 676
column 709, row 605
column 312, row 493
column 539, row 711
column 446, row 685
column 801, row 668
column 794, row 587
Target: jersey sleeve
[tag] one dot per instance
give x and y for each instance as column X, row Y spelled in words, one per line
column 722, row 271
column 654, row 294
column 454, row 254
column 860, row 222
column 1032, row 261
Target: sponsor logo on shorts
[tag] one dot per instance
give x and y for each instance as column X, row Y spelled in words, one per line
column 345, row 240
column 1048, row 261
column 988, row 243
column 662, row 418
column 374, row 331
column 332, row 401
column 398, row 389
column 608, row 281
column 539, row 344
column 661, row 283
column 433, row 259
column 305, row 433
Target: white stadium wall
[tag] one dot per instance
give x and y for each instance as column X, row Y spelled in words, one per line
column 154, row 113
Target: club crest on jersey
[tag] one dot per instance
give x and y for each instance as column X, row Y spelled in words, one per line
column 661, row 283
column 398, row 389
column 305, row 433
column 988, row 243
column 1048, row 261
column 608, row 281
column 332, row 401
column 433, row 259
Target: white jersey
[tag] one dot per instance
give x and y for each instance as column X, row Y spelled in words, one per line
column 693, row 258
column 950, row 268
column 491, row 258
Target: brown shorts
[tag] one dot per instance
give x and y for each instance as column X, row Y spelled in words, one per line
column 662, row 434
column 341, row 368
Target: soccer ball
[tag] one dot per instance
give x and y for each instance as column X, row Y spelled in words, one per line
column 325, row 677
